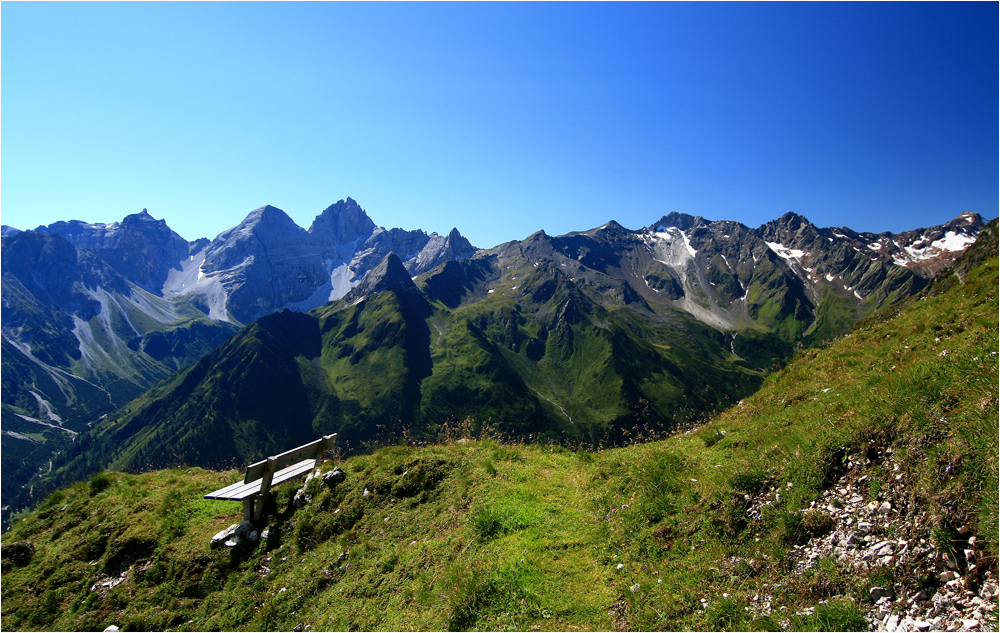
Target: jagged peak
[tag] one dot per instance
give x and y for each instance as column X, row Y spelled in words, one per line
column 458, row 242
column 344, row 221
column 390, row 274
column 682, row 221
column 788, row 225
column 792, row 221
column 969, row 220
column 141, row 218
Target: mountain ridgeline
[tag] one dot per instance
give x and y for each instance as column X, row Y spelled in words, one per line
column 592, row 338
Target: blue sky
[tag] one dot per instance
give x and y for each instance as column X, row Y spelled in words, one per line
column 499, row 119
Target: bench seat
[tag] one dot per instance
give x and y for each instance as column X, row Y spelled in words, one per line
column 240, row 490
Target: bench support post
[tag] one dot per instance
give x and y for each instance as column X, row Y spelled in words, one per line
column 248, row 509
column 265, row 486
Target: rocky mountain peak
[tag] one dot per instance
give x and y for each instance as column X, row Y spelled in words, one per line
column 967, row 222
column 144, row 249
column 682, row 221
column 612, row 227
column 266, row 223
column 458, row 245
column 266, row 215
column 342, row 222
column 265, row 228
column 792, row 221
column 790, row 229
column 389, row 274
column 142, row 216
column 146, row 223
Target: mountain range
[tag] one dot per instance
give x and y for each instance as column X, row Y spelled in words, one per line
column 388, row 334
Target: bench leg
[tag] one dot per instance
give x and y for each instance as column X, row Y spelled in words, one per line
column 260, row 507
column 248, row 508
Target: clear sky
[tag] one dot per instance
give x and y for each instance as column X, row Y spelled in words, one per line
column 499, row 118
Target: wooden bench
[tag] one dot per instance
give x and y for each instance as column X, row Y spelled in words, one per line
column 271, row 472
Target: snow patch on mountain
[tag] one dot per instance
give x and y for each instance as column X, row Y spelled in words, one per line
column 342, row 280
column 918, row 251
column 788, row 254
column 670, row 246
column 212, row 292
column 669, row 234
column 191, row 282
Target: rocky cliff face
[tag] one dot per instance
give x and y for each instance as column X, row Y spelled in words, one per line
column 139, row 248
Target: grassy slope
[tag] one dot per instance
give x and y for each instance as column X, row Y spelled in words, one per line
column 480, row 535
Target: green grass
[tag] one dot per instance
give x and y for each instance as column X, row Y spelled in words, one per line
column 480, row 535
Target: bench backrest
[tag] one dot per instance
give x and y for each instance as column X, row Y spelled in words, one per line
column 307, row 451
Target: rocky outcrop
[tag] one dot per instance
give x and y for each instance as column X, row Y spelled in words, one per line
column 17, row 554
column 941, row 578
column 236, row 534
